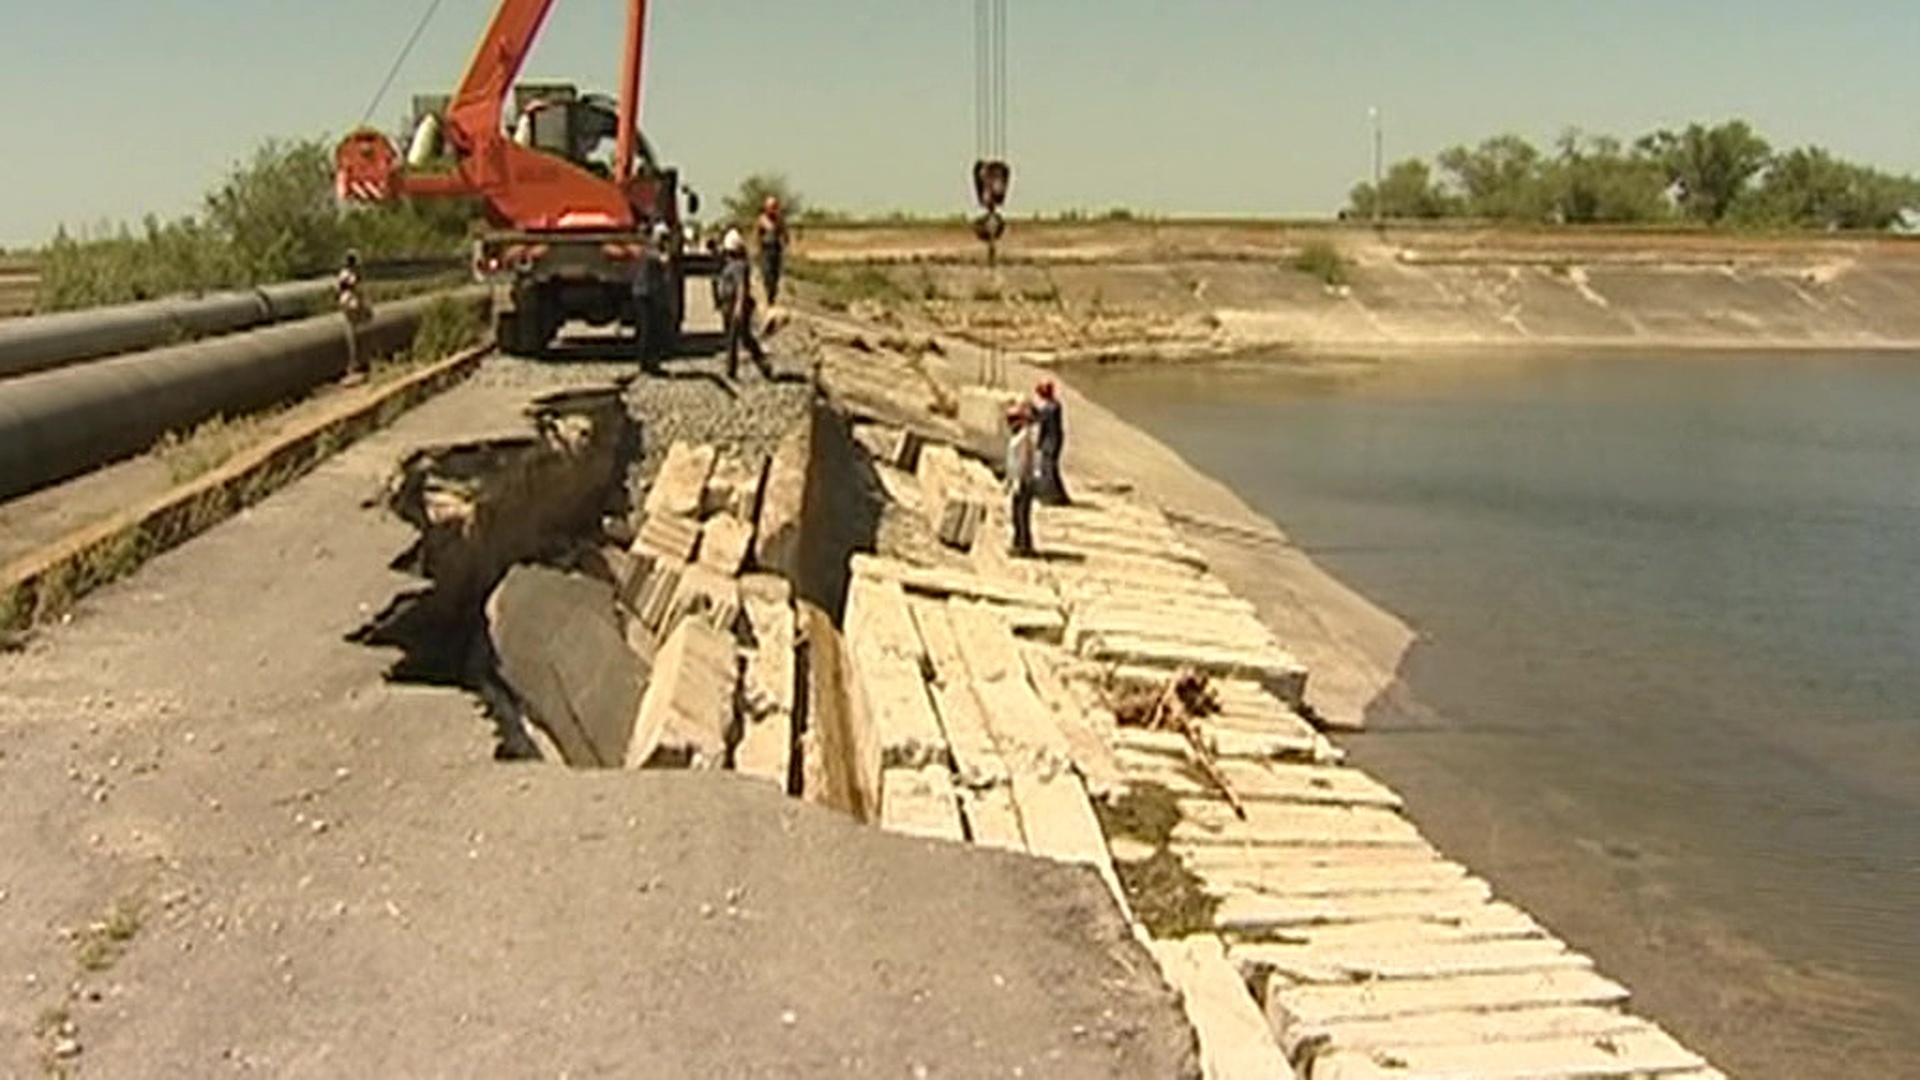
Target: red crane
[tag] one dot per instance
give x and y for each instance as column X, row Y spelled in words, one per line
column 569, row 241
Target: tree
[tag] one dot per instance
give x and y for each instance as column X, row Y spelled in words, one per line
column 1596, row 180
column 1713, row 167
column 743, row 206
column 1503, row 178
column 1810, row 188
column 278, row 211
column 1407, row 192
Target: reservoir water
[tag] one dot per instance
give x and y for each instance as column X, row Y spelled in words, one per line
column 1666, row 692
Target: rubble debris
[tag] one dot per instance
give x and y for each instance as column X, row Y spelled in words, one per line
column 1176, row 705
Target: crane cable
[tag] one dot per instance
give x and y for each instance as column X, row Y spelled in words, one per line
column 399, row 61
column 990, row 137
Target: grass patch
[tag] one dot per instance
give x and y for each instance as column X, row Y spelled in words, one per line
column 987, row 294
column 103, row 943
column 1322, row 260
column 842, row 286
column 209, row 445
column 1164, row 894
column 1041, row 294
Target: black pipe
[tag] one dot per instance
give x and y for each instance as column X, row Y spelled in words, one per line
column 42, row 342
column 59, row 423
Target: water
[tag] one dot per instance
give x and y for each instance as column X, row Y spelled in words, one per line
column 1666, row 692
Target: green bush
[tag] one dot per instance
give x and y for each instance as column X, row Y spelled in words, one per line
column 1322, row 260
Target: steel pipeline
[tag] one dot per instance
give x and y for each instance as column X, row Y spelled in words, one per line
column 59, row 423
column 69, row 337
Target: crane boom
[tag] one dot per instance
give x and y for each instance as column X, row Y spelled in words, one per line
column 522, row 187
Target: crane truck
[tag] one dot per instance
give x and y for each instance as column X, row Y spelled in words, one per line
column 569, row 238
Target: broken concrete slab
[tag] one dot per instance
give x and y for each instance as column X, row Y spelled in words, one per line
column 668, row 536
column 562, row 650
column 976, row 757
column 733, row 487
column 686, row 718
column 725, row 542
column 920, row 802
column 1235, row 1042
column 707, row 595
column 681, row 483
column 656, row 597
column 888, row 660
column 766, row 741
column 841, row 757
column 1095, row 759
column 1022, row 727
column 776, row 543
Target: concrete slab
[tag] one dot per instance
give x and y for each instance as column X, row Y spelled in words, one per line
column 668, row 536
column 1466, row 1026
column 1316, row 1004
column 1260, row 781
column 776, row 544
column 1099, row 769
column 704, row 594
column 920, row 802
column 1295, row 825
column 946, row 583
column 1278, row 671
column 681, row 483
column 733, row 488
column 725, row 542
column 1289, row 881
column 686, row 717
column 1304, row 964
column 766, row 740
column 563, row 651
column 1235, row 1042
column 886, row 657
column 1022, row 727
column 1256, row 915
column 991, row 818
column 976, row 757
column 1628, row 1054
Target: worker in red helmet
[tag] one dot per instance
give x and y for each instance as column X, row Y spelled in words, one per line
column 1050, row 438
column 1022, row 471
column 772, row 234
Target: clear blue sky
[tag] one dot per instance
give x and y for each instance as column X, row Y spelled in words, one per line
column 117, row 108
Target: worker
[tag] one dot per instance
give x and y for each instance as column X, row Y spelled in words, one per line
column 773, row 246
column 347, row 289
column 733, row 290
column 1022, row 465
column 1050, row 438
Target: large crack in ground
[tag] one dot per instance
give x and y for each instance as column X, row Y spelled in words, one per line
column 554, row 594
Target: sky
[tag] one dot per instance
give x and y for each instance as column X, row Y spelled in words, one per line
column 121, row 108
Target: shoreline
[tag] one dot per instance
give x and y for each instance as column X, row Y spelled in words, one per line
column 1362, row 351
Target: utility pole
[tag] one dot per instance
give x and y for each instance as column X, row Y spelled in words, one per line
column 1373, row 115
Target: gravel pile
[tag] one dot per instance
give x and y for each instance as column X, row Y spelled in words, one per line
column 689, row 398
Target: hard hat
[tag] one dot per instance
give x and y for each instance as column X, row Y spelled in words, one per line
column 733, row 241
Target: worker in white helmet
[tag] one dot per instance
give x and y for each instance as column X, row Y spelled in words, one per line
column 733, row 294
